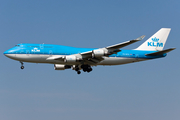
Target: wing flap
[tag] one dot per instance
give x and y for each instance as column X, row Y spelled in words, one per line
column 93, row 61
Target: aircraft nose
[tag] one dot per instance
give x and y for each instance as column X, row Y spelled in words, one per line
column 6, row 52
column 9, row 55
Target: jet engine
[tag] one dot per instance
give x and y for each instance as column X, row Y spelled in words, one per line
column 99, row 53
column 71, row 59
column 61, row 67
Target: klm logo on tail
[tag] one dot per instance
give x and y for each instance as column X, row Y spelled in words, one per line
column 155, row 43
column 155, row 39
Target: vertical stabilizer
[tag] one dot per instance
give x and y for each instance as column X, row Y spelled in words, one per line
column 157, row 41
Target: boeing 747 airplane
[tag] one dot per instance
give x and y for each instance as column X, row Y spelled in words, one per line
column 65, row 57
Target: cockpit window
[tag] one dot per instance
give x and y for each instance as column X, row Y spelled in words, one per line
column 17, row 45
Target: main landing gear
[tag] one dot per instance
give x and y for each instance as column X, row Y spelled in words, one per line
column 77, row 70
column 86, row 68
column 22, row 67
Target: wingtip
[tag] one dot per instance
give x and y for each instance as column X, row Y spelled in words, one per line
column 140, row 38
column 172, row 48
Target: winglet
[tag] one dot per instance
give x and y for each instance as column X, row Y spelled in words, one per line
column 140, row 38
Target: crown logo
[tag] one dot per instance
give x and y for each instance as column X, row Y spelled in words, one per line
column 155, row 39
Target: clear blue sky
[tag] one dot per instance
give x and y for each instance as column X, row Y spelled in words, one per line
column 147, row 90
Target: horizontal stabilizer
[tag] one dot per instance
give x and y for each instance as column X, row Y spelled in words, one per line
column 160, row 52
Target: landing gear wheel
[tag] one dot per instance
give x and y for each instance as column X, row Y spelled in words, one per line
column 86, row 68
column 89, row 70
column 78, row 72
column 22, row 67
column 77, row 69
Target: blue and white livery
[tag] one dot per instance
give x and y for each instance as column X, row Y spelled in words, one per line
column 64, row 57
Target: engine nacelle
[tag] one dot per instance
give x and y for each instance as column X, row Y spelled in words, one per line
column 61, row 67
column 98, row 53
column 71, row 59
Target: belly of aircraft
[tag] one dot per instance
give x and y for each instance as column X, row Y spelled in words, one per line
column 39, row 58
column 117, row 60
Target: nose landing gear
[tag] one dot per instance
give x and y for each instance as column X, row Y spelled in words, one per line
column 22, row 67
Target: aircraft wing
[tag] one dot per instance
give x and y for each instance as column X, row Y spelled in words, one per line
column 120, row 45
column 113, row 49
column 95, row 56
